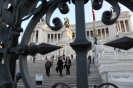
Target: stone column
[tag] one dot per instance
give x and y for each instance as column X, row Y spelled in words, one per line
column 117, row 27
column 101, row 34
column 60, row 35
column 105, row 33
column 53, row 37
column 47, row 38
column 50, row 38
column 57, row 37
column 89, row 35
column 124, row 26
column 112, row 31
column 130, row 25
column 120, row 26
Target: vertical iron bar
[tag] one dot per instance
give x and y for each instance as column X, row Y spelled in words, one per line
column 80, row 20
column 81, row 46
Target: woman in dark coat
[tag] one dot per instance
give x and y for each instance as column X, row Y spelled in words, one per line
column 60, row 65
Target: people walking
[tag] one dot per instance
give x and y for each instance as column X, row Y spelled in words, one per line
column 47, row 67
column 60, row 65
column 67, row 65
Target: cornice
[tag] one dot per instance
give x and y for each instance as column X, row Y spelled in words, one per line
column 89, row 25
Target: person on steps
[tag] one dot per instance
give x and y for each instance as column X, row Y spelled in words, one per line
column 47, row 67
column 60, row 65
column 68, row 64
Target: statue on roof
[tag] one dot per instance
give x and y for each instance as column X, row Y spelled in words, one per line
column 67, row 24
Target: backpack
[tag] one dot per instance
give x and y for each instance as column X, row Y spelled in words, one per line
column 48, row 64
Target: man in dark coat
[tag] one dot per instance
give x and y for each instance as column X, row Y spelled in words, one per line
column 47, row 67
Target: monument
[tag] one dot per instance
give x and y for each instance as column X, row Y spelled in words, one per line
column 14, row 12
column 67, row 34
column 103, row 55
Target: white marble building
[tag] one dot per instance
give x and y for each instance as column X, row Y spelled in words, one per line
column 115, row 65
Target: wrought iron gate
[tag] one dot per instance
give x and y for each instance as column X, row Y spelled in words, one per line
column 14, row 12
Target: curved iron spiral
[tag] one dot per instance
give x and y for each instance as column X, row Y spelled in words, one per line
column 63, row 7
column 106, row 84
column 106, row 16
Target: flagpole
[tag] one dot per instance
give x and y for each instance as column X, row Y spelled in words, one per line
column 94, row 25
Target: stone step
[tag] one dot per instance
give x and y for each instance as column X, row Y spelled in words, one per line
column 49, row 86
column 39, row 68
column 65, row 80
column 92, row 76
column 70, row 80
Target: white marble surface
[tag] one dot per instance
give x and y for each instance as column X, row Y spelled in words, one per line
column 123, row 82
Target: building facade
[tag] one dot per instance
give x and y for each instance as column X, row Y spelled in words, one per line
column 42, row 33
column 114, row 65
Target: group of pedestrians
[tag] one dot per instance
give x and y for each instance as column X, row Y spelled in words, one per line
column 61, row 63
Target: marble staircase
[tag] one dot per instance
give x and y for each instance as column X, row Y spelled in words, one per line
column 38, row 68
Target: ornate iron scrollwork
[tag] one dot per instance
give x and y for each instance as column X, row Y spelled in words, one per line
column 106, row 85
column 14, row 12
column 106, row 17
column 63, row 7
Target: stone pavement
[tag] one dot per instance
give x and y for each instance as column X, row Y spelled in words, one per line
column 39, row 68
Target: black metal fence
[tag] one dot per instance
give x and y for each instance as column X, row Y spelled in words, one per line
column 14, row 12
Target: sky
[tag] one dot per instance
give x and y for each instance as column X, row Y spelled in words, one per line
column 88, row 13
